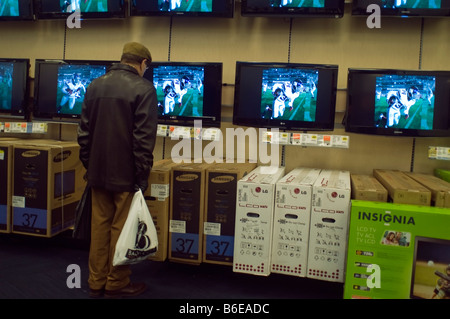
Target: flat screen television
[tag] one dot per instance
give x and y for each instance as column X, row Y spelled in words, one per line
column 89, row 9
column 288, row 96
column 398, row 102
column 16, row 10
column 430, row 269
column 59, row 86
column 192, row 8
column 187, row 91
column 14, row 87
column 293, row 8
column 404, row 8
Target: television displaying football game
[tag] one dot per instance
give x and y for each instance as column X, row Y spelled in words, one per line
column 290, row 3
column 179, row 90
column 289, row 94
column 404, row 101
column 84, row 5
column 185, row 5
column 72, row 83
column 6, row 85
column 9, row 8
column 411, row 4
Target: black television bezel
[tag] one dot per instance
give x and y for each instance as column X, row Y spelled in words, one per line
column 228, row 13
column 352, row 127
column 28, row 16
column 292, row 12
column 215, row 107
column 304, row 126
column 54, row 115
column 359, row 8
column 50, row 15
column 22, row 111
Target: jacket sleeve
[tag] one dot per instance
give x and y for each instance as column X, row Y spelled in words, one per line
column 83, row 136
column 144, row 135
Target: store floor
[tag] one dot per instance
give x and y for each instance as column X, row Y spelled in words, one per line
column 36, row 268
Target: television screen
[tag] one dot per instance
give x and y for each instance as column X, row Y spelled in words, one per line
column 198, row 8
column 293, row 8
column 89, row 9
column 14, row 86
column 396, row 102
column 404, row 8
column 431, row 269
column 285, row 95
column 187, row 91
column 16, row 10
column 60, row 86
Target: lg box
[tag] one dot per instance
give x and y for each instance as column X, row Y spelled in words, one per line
column 254, row 220
column 291, row 222
column 186, row 212
column 329, row 226
column 47, row 185
column 398, row 251
column 220, row 211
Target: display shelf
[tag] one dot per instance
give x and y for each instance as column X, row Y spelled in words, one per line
column 23, row 127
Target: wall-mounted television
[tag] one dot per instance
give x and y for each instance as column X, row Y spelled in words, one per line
column 192, row 8
column 14, row 87
column 290, row 96
column 89, row 9
column 398, row 102
column 187, row 91
column 60, row 86
column 404, row 8
column 16, row 10
column 293, row 8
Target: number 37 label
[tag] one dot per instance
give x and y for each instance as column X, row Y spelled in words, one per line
column 29, row 220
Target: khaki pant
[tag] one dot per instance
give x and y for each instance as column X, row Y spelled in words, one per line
column 109, row 213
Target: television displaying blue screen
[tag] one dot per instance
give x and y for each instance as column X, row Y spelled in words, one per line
column 60, row 86
column 398, row 102
column 187, row 91
column 89, row 9
column 285, row 95
column 293, row 8
column 16, row 10
column 404, row 8
column 14, row 87
column 193, row 8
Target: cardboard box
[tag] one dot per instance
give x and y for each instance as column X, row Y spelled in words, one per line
column 403, row 248
column 329, row 226
column 403, row 189
column 157, row 197
column 367, row 187
column 291, row 222
column 186, row 212
column 6, row 168
column 254, row 220
column 440, row 189
column 47, row 185
column 220, row 211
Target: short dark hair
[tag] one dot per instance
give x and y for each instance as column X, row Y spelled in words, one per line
column 132, row 59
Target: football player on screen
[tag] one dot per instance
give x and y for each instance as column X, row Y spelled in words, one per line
column 73, row 90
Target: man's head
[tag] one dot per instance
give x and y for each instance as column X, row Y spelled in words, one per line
column 137, row 55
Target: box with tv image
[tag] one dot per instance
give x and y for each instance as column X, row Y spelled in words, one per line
column 47, row 185
column 220, row 211
column 398, row 251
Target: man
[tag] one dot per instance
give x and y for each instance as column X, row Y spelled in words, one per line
column 117, row 135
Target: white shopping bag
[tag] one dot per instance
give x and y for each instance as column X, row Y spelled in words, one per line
column 138, row 238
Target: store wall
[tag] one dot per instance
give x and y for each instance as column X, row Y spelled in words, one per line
column 400, row 43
